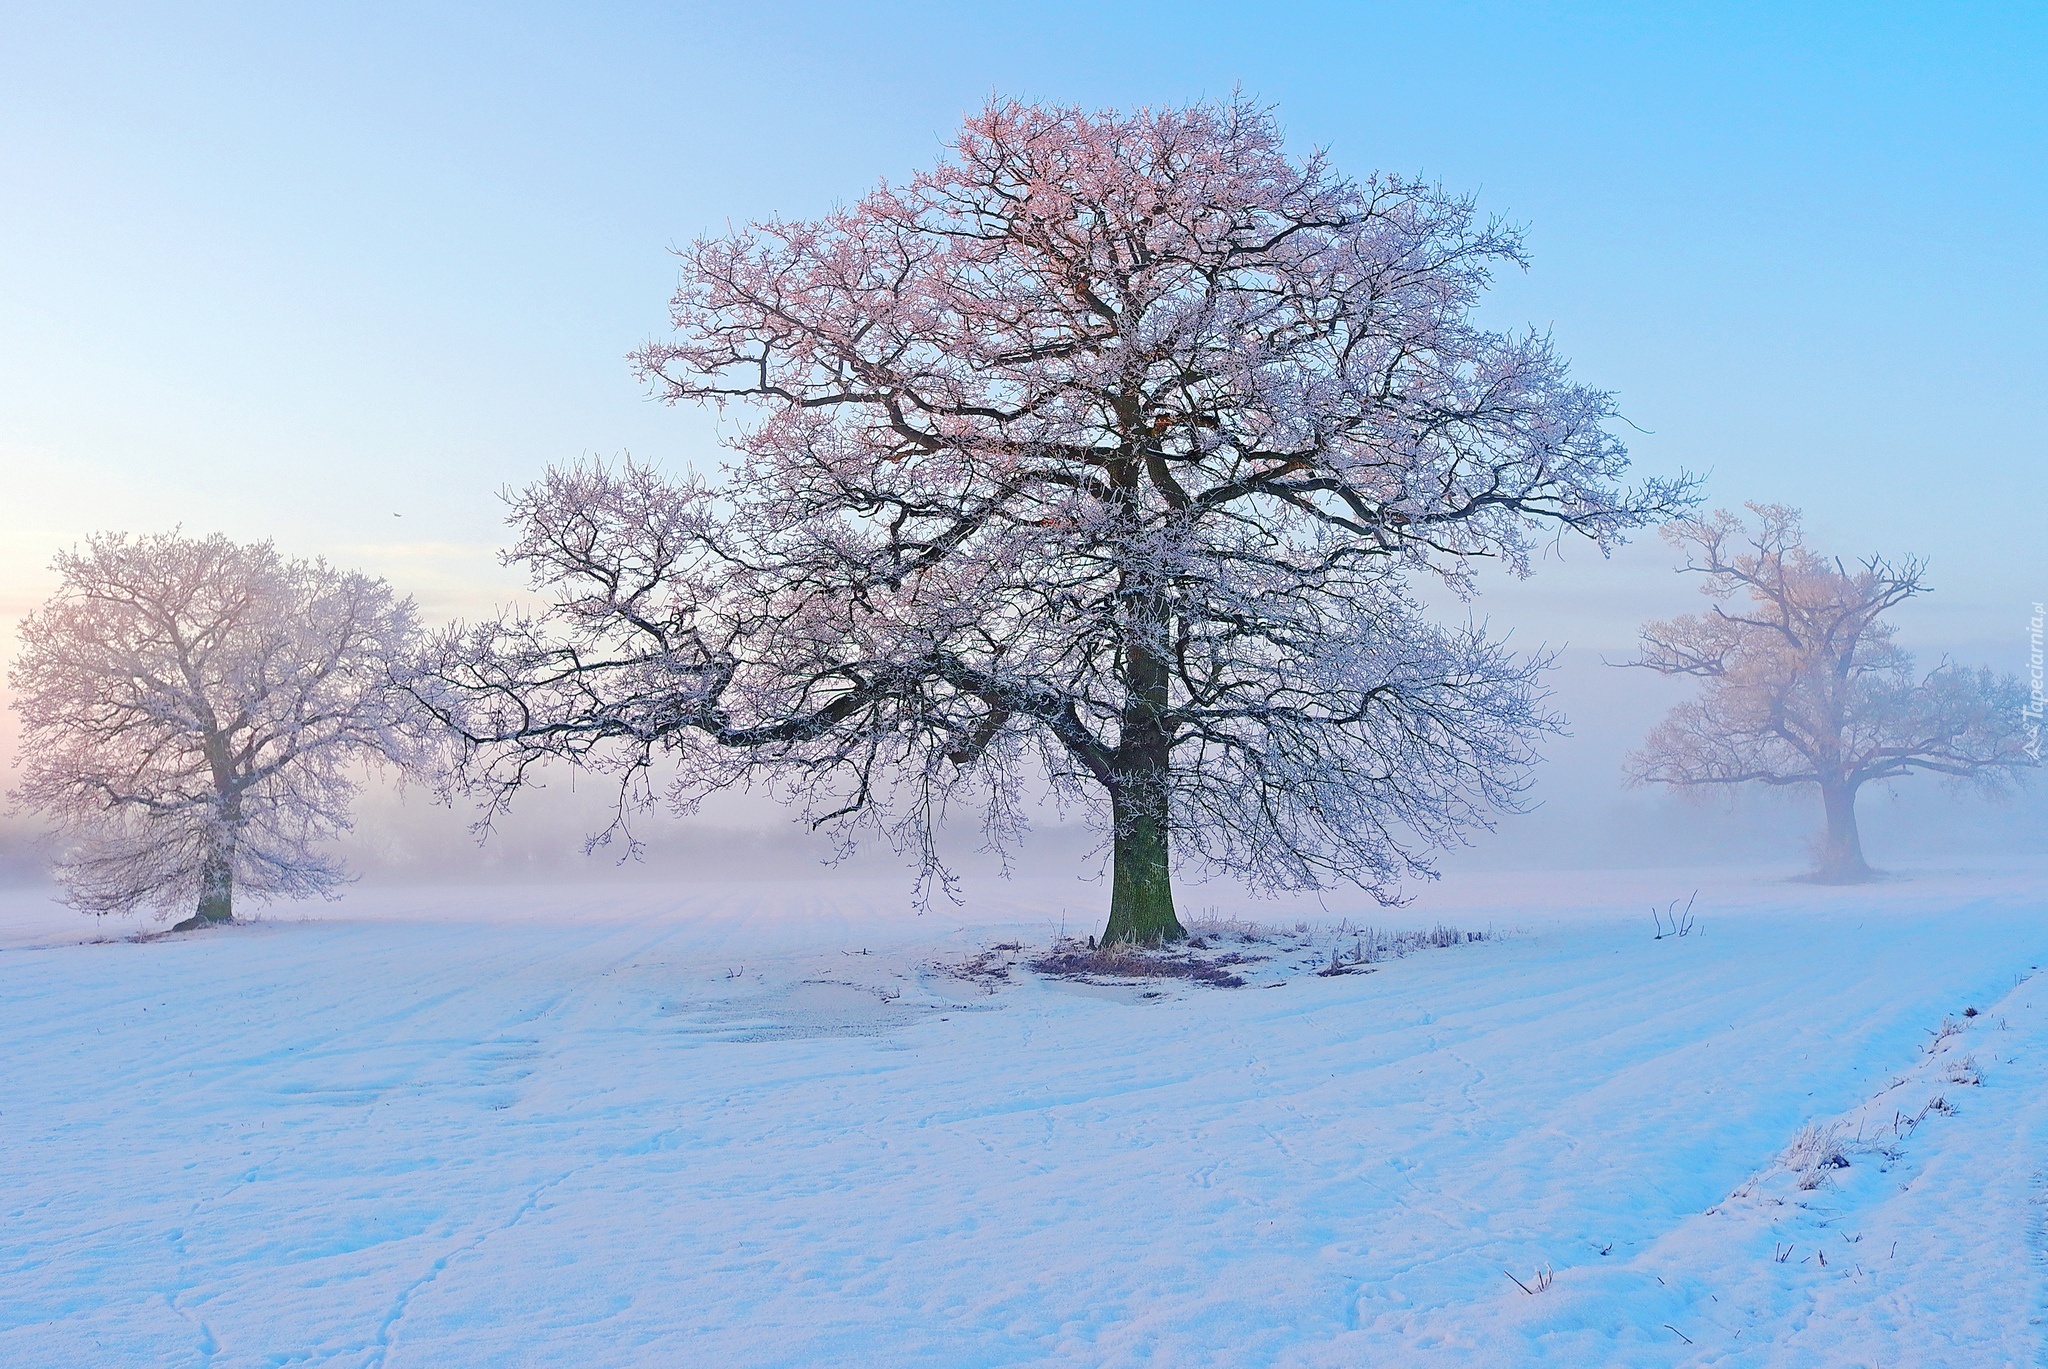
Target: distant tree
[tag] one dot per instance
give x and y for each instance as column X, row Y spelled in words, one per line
column 194, row 713
column 1100, row 452
column 1804, row 685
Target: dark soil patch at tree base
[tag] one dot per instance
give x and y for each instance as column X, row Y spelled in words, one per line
column 1070, row 959
column 1215, row 954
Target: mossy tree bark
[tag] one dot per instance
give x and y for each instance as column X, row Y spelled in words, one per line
column 1141, row 883
column 1141, row 887
column 216, row 891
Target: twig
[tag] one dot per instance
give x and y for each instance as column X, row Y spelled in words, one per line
column 1678, row 1333
column 1681, row 921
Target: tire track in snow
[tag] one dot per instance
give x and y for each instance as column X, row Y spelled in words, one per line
column 1932, row 1194
column 1589, row 1039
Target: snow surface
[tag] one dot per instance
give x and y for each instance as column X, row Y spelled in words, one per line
column 762, row 1125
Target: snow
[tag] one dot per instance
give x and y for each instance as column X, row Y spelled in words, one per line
column 759, row 1124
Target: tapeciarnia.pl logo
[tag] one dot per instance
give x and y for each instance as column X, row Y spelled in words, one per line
column 2037, row 698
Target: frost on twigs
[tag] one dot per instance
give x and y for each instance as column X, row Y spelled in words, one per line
column 1949, row 1028
column 1354, row 949
column 1098, row 458
column 1815, row 1153
column 1802, row 683
column 196, row 715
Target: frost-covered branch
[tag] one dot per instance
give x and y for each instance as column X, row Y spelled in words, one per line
column 194, row 713
column 1099, row 454
column 1804, row 684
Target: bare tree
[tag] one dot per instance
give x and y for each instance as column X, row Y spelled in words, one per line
column 193, row 716
column 1099, row 454
column 1804, row 684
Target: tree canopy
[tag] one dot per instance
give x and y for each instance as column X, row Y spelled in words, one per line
column 1101, row 452
column 1805, row 683
column 193, row 715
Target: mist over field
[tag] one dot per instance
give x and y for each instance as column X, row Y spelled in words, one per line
column 1149, row 399
column 1582, row 819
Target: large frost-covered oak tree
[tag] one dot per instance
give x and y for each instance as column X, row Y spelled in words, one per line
column 1100, row 452
column 195, row 713
column 1803, row 684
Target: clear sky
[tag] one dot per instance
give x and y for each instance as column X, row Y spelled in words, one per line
column 334, row 274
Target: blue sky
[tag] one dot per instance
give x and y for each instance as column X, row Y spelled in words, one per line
column 336, row 274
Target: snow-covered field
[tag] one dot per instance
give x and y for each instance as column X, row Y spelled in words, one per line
column 753, row 1125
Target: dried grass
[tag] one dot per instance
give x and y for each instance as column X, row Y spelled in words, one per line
column 1071, row 959
column 1370, row 945
column 1814, row 1155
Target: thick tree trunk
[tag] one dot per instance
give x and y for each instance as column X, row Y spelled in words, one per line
column 217, row 899
column 1841, row 851
column 1141, row 886
column 217, row 877
column 216, row 895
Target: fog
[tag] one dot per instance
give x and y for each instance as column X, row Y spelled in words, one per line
column 1579, row 816
column 394, row 263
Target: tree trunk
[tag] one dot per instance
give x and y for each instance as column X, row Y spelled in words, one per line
column 1141, row 887
column 217, row 898
column 1841, row 852
column 216, row 894
column 217, row 875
